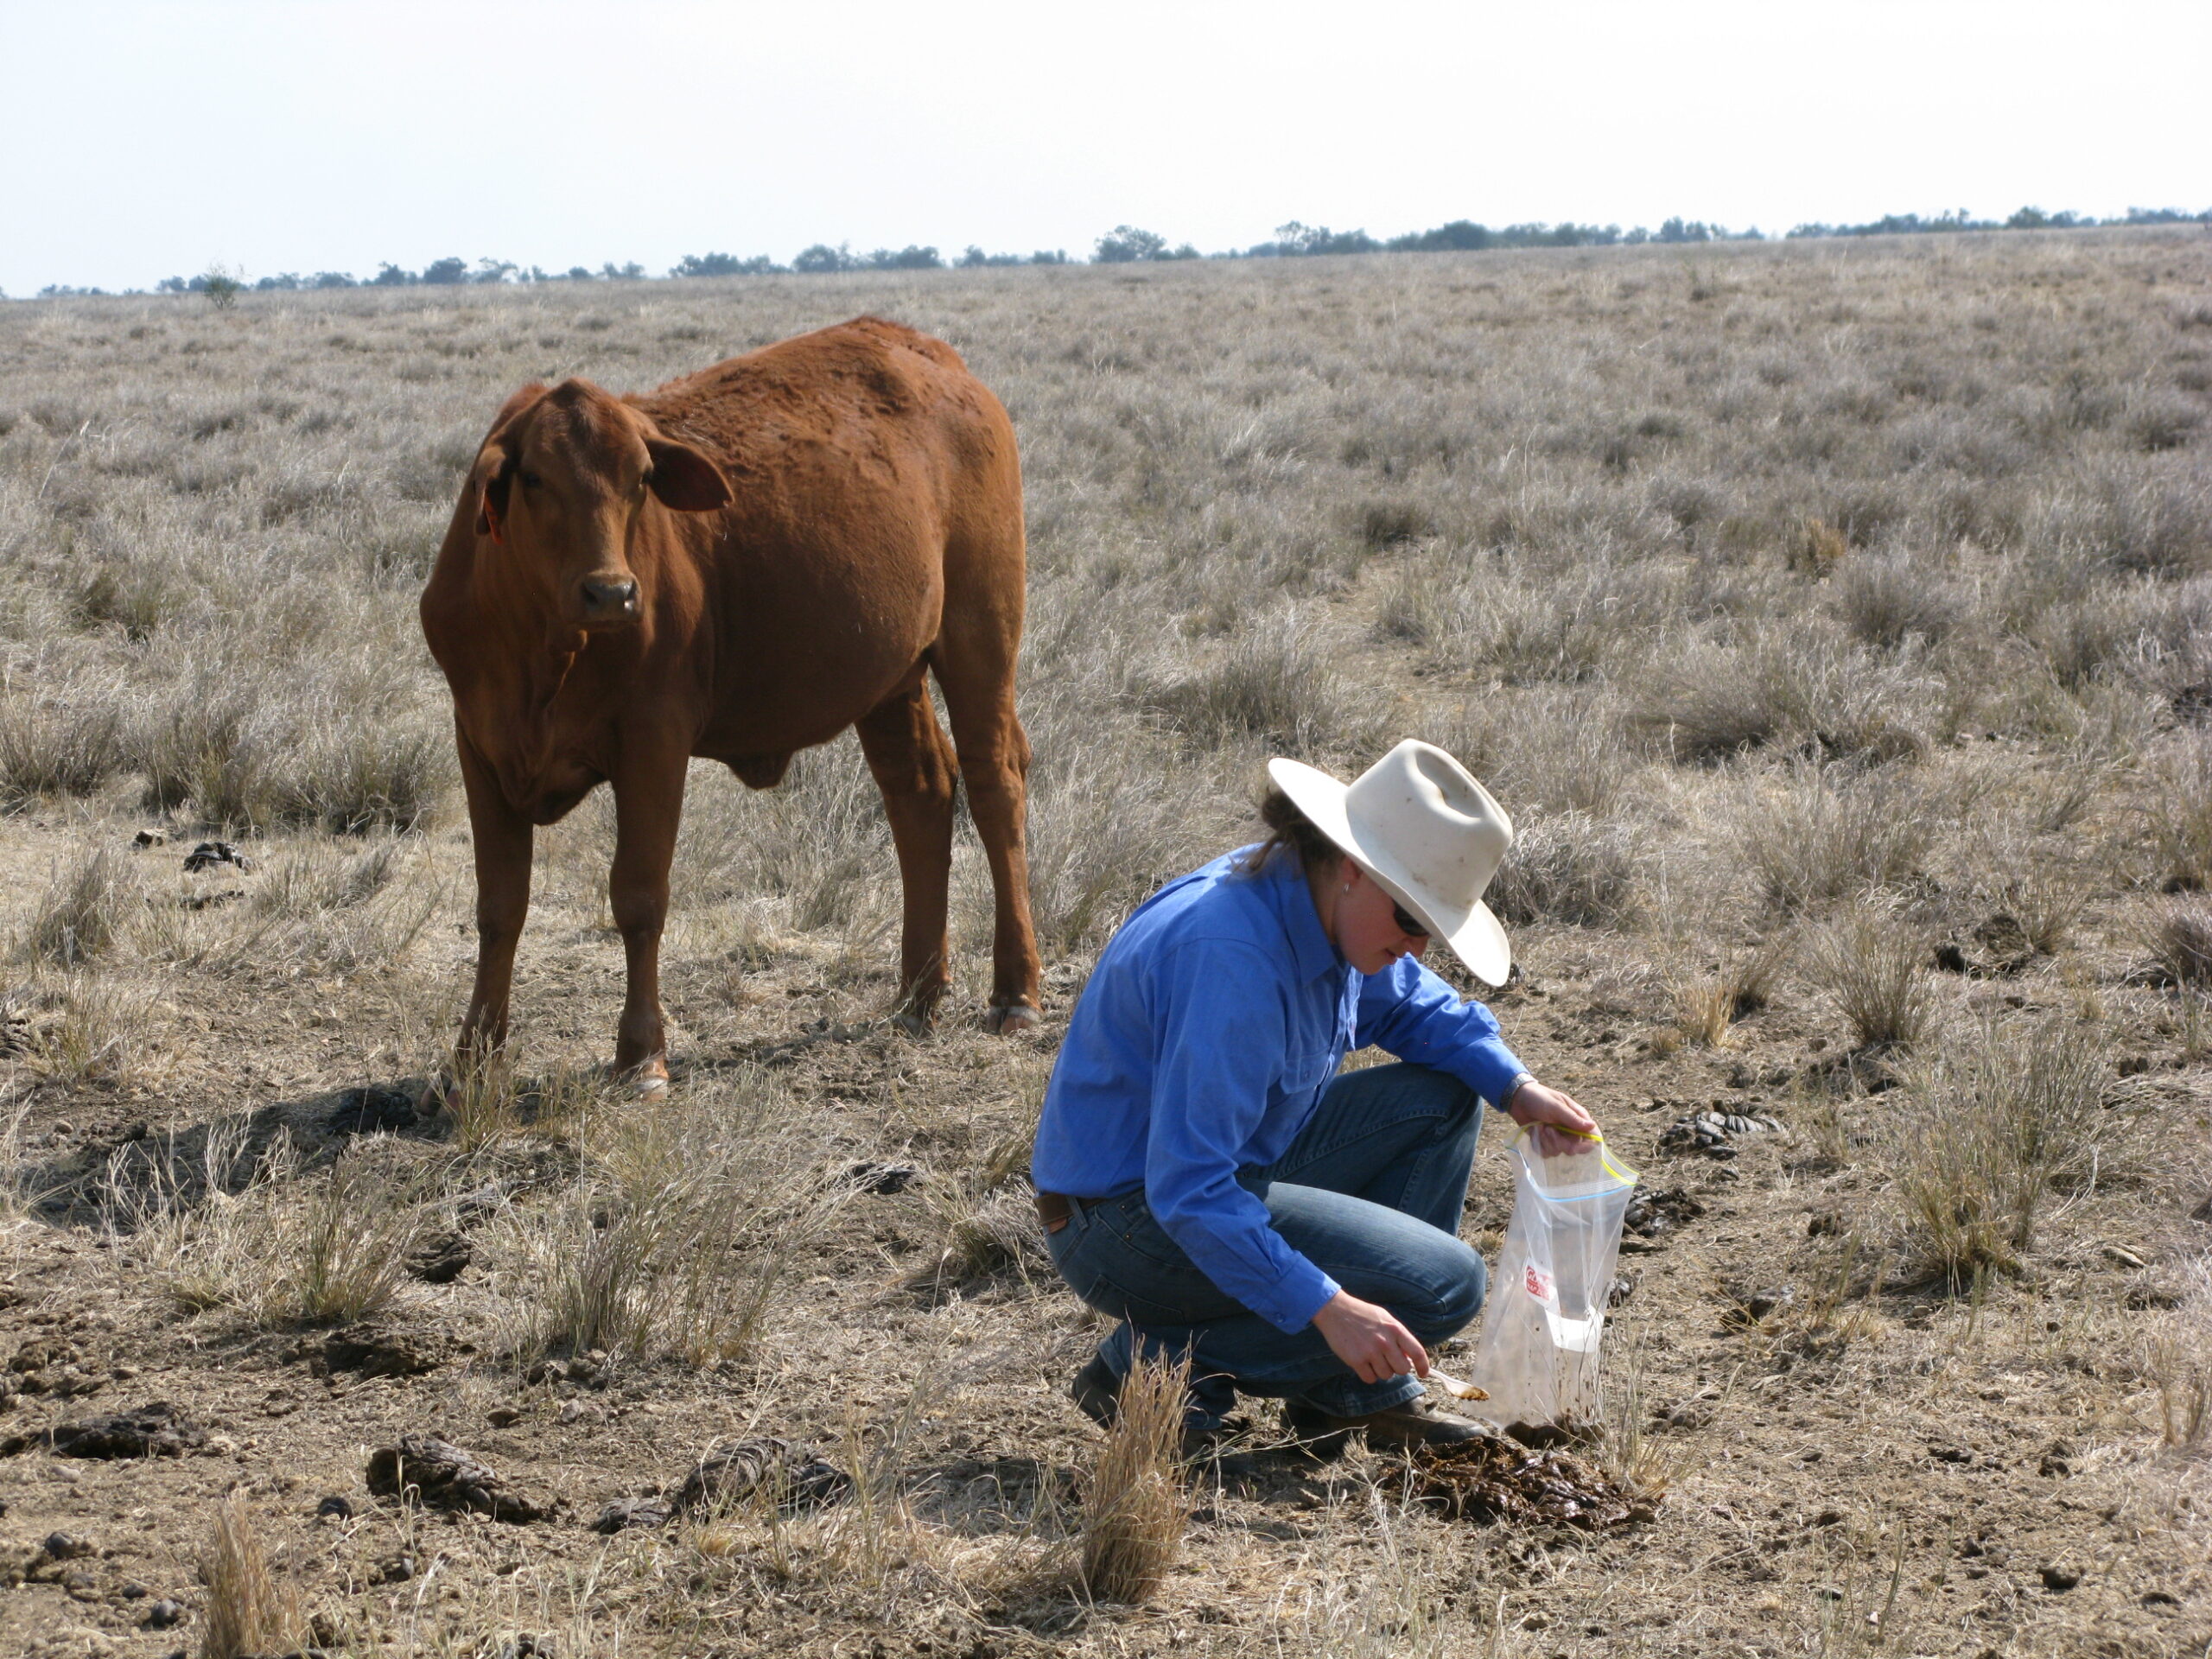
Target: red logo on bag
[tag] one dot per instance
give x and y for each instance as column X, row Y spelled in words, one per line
column 1540, row 1284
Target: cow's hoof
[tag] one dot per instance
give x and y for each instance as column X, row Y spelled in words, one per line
column 1013, row 1019
column 648, row 1081
column 437, row 1096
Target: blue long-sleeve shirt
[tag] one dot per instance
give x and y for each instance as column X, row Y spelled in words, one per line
column 1214, row 1020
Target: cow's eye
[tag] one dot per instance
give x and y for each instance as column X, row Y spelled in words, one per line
column 531, row 480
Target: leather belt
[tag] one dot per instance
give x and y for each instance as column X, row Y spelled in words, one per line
column 1054, row 1210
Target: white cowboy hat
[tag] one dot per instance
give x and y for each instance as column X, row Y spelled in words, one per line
column 1428, row 833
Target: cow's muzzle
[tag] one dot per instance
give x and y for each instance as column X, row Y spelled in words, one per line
column 609, row 602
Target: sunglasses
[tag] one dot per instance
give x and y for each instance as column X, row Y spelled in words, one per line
column 1407, row 924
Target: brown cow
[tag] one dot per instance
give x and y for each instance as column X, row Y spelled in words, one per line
column 739, row 565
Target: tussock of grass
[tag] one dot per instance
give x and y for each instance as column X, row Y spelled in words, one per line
column 1568, row 868
column 255, row 757
column 1101, row 841
column 85, row 910
column 1275, row 684
column 2179, row 1365
column 1983, row 1136
column 50, row 748
column 1819, row 833
column 2180, row 815
column 1795, row 688
column 998, row 1233
column 1135, row 1505
column 1875, row 965
column 1707, row 1005
column 1549, row 750
column 676, row 1237
column 233, row 1227
column 2181, row 941
column 251, row 1610
column 1885, row 599
column 358, row 1226
column 98, row 1032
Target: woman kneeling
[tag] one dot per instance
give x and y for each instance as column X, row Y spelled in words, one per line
column 1206, row 1176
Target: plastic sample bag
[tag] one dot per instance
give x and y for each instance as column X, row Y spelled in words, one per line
column 1538, row 1354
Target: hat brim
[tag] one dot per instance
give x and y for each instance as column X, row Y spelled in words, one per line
column 1475, row 936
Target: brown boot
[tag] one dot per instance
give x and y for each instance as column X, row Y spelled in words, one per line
column 1398, row 1428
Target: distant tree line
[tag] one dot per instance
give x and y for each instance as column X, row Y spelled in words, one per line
column 1131, row 244
column 2026, row 219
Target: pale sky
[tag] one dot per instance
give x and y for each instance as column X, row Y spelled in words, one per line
column 139, row 140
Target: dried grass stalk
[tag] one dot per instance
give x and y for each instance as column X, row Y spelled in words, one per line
column 1134, row 1512
column 249, row 1610
column 1707, row 1006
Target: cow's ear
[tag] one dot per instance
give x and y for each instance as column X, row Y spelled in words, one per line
column 492, row 497
column 685, row 480
column 495, row 462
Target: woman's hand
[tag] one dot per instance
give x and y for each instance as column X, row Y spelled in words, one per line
column 1369, row 1340
column 1535, row 1107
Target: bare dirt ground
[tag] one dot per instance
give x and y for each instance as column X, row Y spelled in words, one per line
column 1832, row 619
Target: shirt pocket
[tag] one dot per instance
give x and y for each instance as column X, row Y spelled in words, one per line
column 1302, row 1074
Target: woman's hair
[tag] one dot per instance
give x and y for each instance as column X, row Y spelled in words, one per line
column 1288, row 831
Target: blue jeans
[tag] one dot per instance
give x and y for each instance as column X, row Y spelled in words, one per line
column 1370, row 1192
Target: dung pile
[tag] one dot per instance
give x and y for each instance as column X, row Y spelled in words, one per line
column 1498, row 1479
column 1710, row 1133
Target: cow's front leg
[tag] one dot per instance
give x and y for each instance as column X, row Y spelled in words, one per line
column 502, row 840
column 648, row 803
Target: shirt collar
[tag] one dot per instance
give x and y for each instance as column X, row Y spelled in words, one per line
column 1309, row 945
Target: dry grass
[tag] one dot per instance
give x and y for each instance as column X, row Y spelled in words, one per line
column 251, row 1609
column 85, row 911
column 1818, row 834
column 2181, row 941
column 360, row 1224
column 1135, row 1505
column 1988, row 1132
column 675, row 1236
column 1708, row 1004
column 1855, row 594
column 1874, row 963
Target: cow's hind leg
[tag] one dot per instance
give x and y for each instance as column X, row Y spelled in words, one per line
column 648, row 806
column 975, row 665
column 912, row 764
